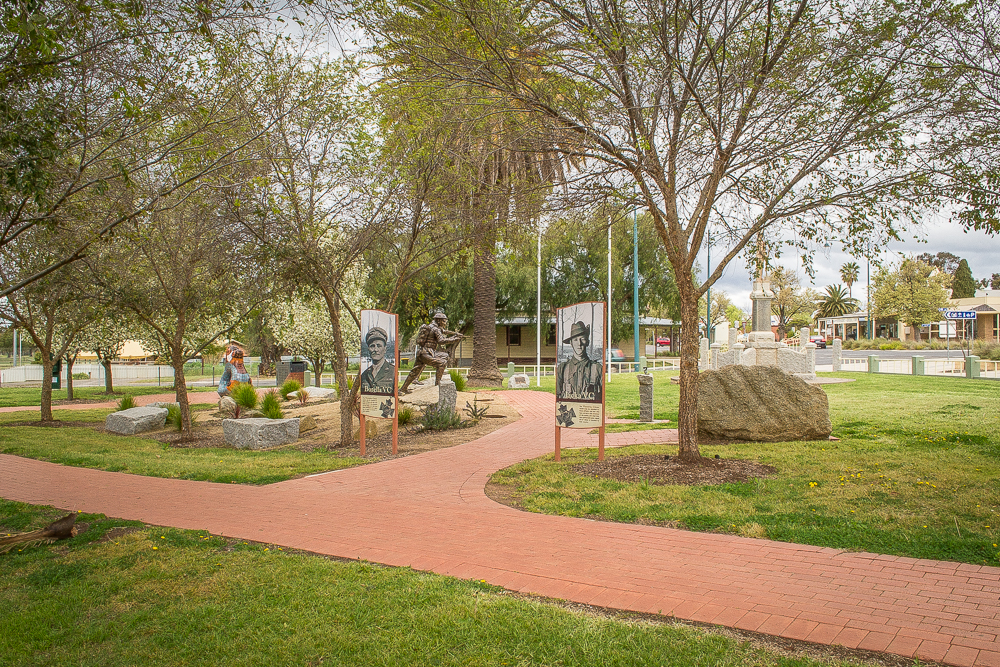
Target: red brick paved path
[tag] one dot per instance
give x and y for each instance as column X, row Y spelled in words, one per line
column 429, row 512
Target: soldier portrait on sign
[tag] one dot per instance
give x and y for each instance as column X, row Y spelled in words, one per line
column 580, row 366
column 378, row 363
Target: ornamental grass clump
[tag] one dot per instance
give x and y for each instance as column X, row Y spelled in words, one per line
column 271, row 405
column 457, row 378
column 245, row 397
column 174, row 417
column 302, row 395
column 127, row 402
column 289, row 387
column 405, row 415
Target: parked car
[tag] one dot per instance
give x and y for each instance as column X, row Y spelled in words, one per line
column 617, row 355
column 819, row 340
column 662, row 342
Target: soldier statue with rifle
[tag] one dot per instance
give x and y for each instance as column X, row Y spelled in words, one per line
column 433, row 339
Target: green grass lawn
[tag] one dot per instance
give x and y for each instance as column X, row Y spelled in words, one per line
column 916, row 473
column 26, row 396
column 160, row 596
column 83, row 447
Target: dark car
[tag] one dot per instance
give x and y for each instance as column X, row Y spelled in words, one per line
column 819, row 340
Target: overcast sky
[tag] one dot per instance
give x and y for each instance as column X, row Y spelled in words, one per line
column 981, row 250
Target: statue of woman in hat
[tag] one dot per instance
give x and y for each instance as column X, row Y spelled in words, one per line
column 579, row 377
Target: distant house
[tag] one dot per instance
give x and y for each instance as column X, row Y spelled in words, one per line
column 986, row 326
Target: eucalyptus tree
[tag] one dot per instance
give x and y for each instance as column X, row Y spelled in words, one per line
column 748, row 118
column 498, row 164
column 86, row 90
column 318, row 201
column 193, row 276
column 912, row 292
column 52, row 309
column 791, row 301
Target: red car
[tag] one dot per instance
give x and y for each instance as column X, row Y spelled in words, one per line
column 662, row 342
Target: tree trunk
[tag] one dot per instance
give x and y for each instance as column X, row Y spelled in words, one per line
column 688, row 407
column 46, row 405
column 484, row 371
column 318, row 365
column 180, row 392
column 347, row 398
column 69, row 376
column 108, row 384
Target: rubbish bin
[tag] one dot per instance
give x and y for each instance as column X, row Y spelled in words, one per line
column 57, row 374
column 297, row 371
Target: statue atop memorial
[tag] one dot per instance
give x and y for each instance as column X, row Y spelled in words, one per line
column 432, row 339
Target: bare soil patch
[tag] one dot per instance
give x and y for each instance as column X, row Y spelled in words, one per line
column 326, row 436
column 664, row 469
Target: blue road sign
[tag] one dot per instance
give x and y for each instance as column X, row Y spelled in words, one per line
column 960, row 314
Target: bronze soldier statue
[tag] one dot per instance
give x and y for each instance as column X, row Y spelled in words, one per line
column 432, row 338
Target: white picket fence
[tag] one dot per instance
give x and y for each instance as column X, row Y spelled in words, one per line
column 33, row 372
column 954, row 367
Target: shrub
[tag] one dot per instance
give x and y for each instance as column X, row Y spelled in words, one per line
column 440, row 420
column 81, row 376
column 475, row 411
column 457, row 378
column 127, row 402
column 271, row 405
column 174, row 417
column 289, row 387
column 405, row 415
column 895, row 345
column 245, row 397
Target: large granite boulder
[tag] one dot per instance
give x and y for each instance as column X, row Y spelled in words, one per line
column 422, row 394
column 760, row 403
column 316, row 393
column 447, row 395
column 260, row 433
column 135, row 420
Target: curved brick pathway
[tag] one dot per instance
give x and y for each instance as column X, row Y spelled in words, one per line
column 429, row 512
column 194, row 398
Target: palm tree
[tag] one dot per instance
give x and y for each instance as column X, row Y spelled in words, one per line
column 849, row 274
column 835, row 302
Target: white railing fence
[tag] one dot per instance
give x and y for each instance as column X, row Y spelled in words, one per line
column 33, row 372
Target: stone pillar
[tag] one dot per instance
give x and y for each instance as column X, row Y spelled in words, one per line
column 703, row 360
column 447, row 394
column 761, row 297
column 738, row 349
column 645, row 397
column 803, row 336
column 721, row 333
column 810, row 352
column 732, row 338
column 716, row 350
column 837, row 349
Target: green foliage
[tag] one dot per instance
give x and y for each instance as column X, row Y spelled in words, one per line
column 289, row 387
column 302, row 395
column 440, row 420
column 912, row 293
column 405, row 415
column 174, row 417
column 245, row 397
column 963, row 285
column 81, row 376
column 457, row 378
column 835, row 302
column 271, row 405
column 914, row 474
column 126, row 402
column 475, row 411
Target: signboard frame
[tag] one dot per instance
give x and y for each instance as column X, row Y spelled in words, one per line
column 581, row 371
column 377, row 324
